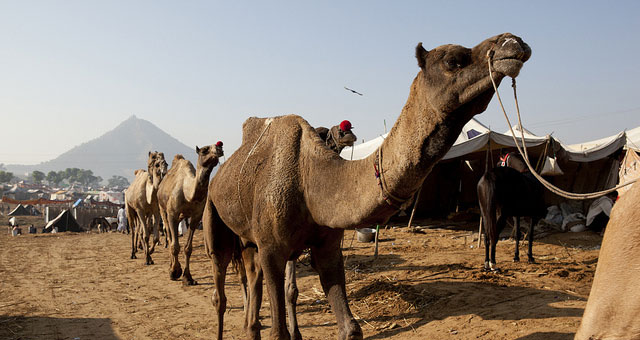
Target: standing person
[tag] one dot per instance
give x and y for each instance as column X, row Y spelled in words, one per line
column 122, row 220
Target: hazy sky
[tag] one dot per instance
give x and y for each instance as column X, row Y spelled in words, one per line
column 73, row 70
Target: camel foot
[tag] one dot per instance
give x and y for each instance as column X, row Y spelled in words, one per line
column 175, row 274
column 516, row 259
column 531, row 260
column 133, row 256
column 352, row 331
column 149, row 262
column 166, row 244
column 188, row 281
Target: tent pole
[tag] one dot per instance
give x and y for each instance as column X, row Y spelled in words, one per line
column 415, row 204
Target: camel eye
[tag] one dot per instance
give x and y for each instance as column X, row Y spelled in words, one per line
column 452, row 64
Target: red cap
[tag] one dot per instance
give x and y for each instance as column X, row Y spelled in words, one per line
column 345, row 125
column 219, row 143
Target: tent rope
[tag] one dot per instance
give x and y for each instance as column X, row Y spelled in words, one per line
column 549, row 186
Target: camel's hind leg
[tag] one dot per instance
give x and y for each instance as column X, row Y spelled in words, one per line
column 328, row 261
column 534, row 221
column 131, row 219
column 144, row 224
column 219, row 242
column 292, row 299
column 254, row 279
column 516, row 256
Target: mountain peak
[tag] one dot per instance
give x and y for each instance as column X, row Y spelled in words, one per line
column 119, row 151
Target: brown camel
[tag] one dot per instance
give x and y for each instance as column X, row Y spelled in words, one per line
column 282, row 191
column 141, row 204
column 181, row 195
column 613, row 308
column 338, row 137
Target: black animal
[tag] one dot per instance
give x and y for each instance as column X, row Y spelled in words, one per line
column 505, row 192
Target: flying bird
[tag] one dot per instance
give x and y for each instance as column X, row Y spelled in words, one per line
column 356, row 92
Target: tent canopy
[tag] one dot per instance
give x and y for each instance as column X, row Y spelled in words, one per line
column 64, row 222
column 20, row 210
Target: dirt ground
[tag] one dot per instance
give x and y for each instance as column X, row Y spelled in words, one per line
column 422, row 286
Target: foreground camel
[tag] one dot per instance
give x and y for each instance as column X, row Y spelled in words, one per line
column 282, row 191
column 181, row 195
column 613, row 308
column 141, row 204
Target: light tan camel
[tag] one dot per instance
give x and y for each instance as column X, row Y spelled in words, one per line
column 282, row 191
column 613, row 308
column 141, row 204
column 181, row 195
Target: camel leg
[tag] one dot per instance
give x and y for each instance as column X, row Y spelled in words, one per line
column 534, row 221
column 145, row 239
column 500, row 224
column 254, row 278
column 156, row 231
column 175, row 271
column 131, row 219
column 327, row 260
column 187, row 280
column 292, row 299
column 273, row 265
column 218, row 242
column 516, row 257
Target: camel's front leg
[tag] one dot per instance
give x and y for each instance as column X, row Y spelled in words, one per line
column 131, row 219
column 175, row 271
column 516, row 257
column 187, row 280
column 273, row 265
column 327, row 260
column 292, row 299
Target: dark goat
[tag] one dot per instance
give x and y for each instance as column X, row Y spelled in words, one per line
column 506, row 192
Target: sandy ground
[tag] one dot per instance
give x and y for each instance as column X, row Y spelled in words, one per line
column 422, row 286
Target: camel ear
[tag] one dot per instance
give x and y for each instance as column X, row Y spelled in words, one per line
column 421, row 55
column 197, row 150
column 149, row 153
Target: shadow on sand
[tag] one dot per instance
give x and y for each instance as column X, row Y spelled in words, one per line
column 438, row 300
column 48, row 328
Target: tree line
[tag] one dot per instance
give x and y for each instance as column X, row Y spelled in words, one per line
column 70, row 175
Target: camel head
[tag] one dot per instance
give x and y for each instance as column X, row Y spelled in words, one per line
column 454, row 78
column 157, row 167
column 209, row 155
column 346, row 137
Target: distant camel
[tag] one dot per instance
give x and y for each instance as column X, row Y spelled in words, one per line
column 283, row 191
column 338, row 136
column 508, row 191
column 613, row 308
column 141, row 204
column 181, row 195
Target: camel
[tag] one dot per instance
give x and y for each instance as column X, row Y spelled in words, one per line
column 338, row 137
column 613, row 307
column 283, row 191
column 181, row 195
column 507, row 191
column 142, row 206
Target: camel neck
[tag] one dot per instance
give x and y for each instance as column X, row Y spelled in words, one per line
column 417, row 141
column 198, row 190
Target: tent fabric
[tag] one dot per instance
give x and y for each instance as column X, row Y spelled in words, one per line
column 20, row 210
column 64, row 222
column 597, row 149
column 633, row 139
column 474, row 137
column 629, row 170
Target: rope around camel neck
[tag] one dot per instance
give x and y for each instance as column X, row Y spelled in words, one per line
column 525, row 155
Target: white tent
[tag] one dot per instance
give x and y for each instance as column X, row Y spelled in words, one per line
column 474, row 137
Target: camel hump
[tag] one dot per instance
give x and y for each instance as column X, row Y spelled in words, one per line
column 323, row 132
column 254, row 127
column 178, row 157
column 136, row 172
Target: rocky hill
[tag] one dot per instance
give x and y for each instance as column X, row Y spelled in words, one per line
column 117, row 152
